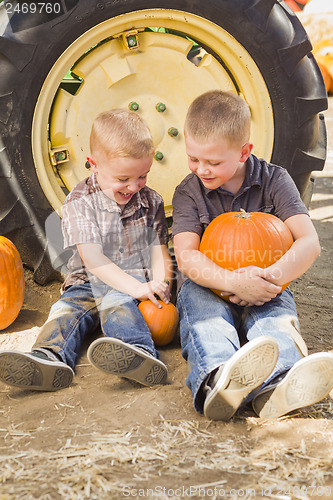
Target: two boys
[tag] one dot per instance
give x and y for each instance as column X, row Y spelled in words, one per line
column 117, row 228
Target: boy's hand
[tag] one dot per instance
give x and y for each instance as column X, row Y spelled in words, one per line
column 253, row 286
column 148, row 290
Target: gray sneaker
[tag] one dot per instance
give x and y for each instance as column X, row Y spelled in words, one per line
column 246, row 370
column 309, row 381
column 125, row 360
column 34, row 370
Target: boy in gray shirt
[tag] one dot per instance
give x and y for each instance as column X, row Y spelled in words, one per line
column 271, row 369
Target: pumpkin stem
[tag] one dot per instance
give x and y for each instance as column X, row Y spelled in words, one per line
column 243, row 214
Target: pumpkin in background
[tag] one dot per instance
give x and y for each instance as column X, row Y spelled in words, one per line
column 323, row 52
column 162, row 323
column 240, row 239
column 11, row 283
column 326, row 76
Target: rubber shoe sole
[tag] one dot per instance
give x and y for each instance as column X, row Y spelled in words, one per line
column 307, row 382
column 29, row 372
column 125, row 360
column 246, row 370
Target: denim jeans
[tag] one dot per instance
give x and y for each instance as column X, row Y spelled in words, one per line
column 81, row 309
column 212, row 330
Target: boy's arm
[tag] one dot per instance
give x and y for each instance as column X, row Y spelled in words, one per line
column 301, row 254
column 162, row 266
column 250, row 289
column 101, row 266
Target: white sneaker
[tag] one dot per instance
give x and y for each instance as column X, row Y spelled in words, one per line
column 125, row 360
column 246, row 370
column 306, row 383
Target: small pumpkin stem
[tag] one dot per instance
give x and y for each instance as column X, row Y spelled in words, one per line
column 243, row 214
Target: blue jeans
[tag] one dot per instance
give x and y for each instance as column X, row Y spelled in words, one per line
column 81, row 309
column 211, row 331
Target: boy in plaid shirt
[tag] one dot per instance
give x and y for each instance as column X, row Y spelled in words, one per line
column 117, row 230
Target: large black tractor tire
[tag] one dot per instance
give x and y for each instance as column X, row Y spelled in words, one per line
column 33, row 42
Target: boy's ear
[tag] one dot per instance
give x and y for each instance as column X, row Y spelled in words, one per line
column 246, row 151
column 92, row 163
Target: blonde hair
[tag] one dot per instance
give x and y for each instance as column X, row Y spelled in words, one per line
column 121, row 133
column 217, row 114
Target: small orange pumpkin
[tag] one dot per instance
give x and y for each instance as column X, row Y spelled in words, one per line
column 239, row 239
column 11, row 283
column 162, row 323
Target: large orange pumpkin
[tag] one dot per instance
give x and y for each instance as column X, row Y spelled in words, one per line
column 240, row 239
column 11, row 282
column 162, row 323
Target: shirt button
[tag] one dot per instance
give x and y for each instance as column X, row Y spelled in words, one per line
column 121, row 250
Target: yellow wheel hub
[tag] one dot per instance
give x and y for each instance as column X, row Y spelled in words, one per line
column 148, row 72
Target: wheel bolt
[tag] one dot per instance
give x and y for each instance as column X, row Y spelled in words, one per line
column 61, row 156
column 133, row 106
column 160, row 107
column 159, row 156
column 132, row 41
column 173, row 132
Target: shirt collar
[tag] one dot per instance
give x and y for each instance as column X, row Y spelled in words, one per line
column 253, row 172
column 105, row 203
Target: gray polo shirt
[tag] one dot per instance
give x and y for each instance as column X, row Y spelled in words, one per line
column 266, row 188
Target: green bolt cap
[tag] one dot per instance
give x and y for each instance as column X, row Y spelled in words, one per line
column 159, row 156
column 61, row 156
column 173, row 131
column 133, row 106
column 160, row 107
column 132, row 41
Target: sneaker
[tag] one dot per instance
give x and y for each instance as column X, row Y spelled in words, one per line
column 306, row 383
column 34, row 370
column 125, row 360
column 246, row 370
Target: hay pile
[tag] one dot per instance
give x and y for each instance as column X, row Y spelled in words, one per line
column 169, row 454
